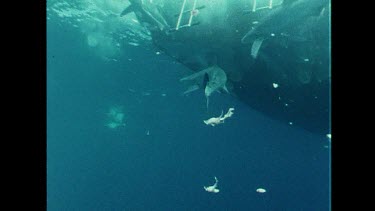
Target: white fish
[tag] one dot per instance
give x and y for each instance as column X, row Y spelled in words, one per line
column 214, row 120
column 219, row 120
column 212, row 188
column 261, row 190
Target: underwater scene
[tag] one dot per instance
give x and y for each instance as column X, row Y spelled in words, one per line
column 188, row 105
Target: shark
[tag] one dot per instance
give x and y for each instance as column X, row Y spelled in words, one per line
column 287, row 21
column 214, row 79
column 149, row 14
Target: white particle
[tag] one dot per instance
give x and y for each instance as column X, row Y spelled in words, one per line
column 163, row 94
column 275, row 85
column 306, row 60
column 329, row 135
column 157, row 52
column 291, row 123
column 272, row 34
column 286, row 104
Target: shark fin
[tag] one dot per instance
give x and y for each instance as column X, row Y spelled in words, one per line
column 255, row 47
column 191, row 89
column 127, row 10
column 195, row 75
column 226, row 89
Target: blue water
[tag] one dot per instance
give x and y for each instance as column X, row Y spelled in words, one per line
column 93, row 167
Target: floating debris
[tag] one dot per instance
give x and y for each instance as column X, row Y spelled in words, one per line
column 286, row 104
column 255, row 22
column 272, row 34
column 261, row 190
column 291, row 123
column 163, row 95
column 148, row 132
column 306, row 60
column 328, row 135
column 157, row 52
column 275, row 85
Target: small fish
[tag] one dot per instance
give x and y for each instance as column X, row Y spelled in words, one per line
column 261, row 190
column 212, row 188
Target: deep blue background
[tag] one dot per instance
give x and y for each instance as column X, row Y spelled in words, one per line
column 92, row 167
